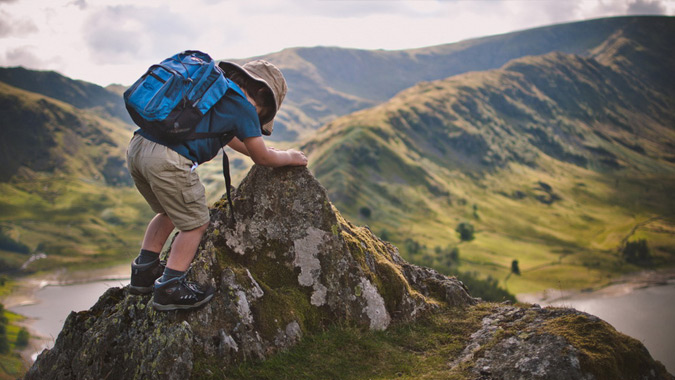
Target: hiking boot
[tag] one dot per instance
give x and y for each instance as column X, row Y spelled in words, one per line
column 179, row 294
column 143, row 276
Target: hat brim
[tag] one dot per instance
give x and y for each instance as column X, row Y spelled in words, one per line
column 266, row 126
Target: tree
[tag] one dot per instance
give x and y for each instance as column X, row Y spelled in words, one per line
column 487, row 289
column 365, row 212
column 465, row 231
column 637, row 252
column 514, row 267
column 4, row 342
column 413, row 247
column 449, row 255
column 22, row 338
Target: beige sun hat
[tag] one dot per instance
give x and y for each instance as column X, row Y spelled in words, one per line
column 270, row 76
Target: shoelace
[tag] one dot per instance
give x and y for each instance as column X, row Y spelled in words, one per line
column 191, row 286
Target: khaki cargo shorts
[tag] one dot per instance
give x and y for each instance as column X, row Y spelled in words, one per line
column 166, row 182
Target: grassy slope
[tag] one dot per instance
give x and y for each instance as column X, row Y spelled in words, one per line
column 427, row 348
column 419, row 350
column 78, row 93
column 560, row 156
column 68, row 196
column 11, row 364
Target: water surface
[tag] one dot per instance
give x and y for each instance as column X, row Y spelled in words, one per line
column 55, row 302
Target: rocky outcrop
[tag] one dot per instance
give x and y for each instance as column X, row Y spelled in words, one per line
column 288, row 266
column 291, row 266
column 530, row 342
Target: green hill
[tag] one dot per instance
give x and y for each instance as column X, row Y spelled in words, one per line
column 556, row 161
column 327, row 82
column 78, row 93
column 66, row 191
column 597, row 101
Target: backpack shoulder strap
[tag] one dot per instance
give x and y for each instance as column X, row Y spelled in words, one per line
column 226, row 173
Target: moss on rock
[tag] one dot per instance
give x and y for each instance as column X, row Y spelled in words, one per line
column 289, row 268
column 605, row 352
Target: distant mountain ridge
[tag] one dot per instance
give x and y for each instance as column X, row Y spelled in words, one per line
column 80, row 94
column 428, row 150
column 44, row 135
column 557, row 150
column 327, row 82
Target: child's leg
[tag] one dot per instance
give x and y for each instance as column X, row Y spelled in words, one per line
column 158, row 230
column 172, row 290
column 184, row 248
column 146, row 267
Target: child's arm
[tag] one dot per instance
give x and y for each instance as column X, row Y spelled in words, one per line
column 262, row 155
column 239, row 146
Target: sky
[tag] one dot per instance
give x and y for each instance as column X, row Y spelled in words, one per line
column 115, row 41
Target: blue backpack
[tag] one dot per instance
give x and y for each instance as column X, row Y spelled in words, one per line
column 173, row 96
column 170, row 99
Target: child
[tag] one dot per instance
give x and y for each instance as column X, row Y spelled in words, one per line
column 164, row 174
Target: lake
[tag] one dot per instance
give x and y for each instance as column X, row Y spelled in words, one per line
column 55, row 302
column 647, row 314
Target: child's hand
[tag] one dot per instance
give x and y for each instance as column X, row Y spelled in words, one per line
column 297, row 158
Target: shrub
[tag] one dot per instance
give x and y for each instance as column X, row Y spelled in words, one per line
column 9, row 244
column 413, row 247
column 465, row 231
column 449, row 255
column 514, row 267
column 22, row 338
column 637, row 252
column 488, row 289
column 4, row 342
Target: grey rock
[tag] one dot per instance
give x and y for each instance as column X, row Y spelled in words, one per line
column 516, row 343
column 288, row 266
column 291, row 265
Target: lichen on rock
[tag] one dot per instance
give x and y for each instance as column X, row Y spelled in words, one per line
column 551, row 344
column 291, row 266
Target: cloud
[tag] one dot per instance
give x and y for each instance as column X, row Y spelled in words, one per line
column 10, row 26
column 646, row 7
column 323, row 8
column 118, row 34
column 23, row 56
column 116, row 40
column 5, row 26
column 82, row 4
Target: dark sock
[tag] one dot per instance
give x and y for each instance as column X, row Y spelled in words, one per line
column 170, row 274
column 146, row 256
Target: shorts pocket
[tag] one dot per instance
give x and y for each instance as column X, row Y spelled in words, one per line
column 194, row 193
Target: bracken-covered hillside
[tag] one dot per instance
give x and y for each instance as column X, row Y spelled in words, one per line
column 557, row 160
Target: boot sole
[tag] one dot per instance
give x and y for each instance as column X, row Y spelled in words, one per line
column 141, row 290
column 168, row 307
